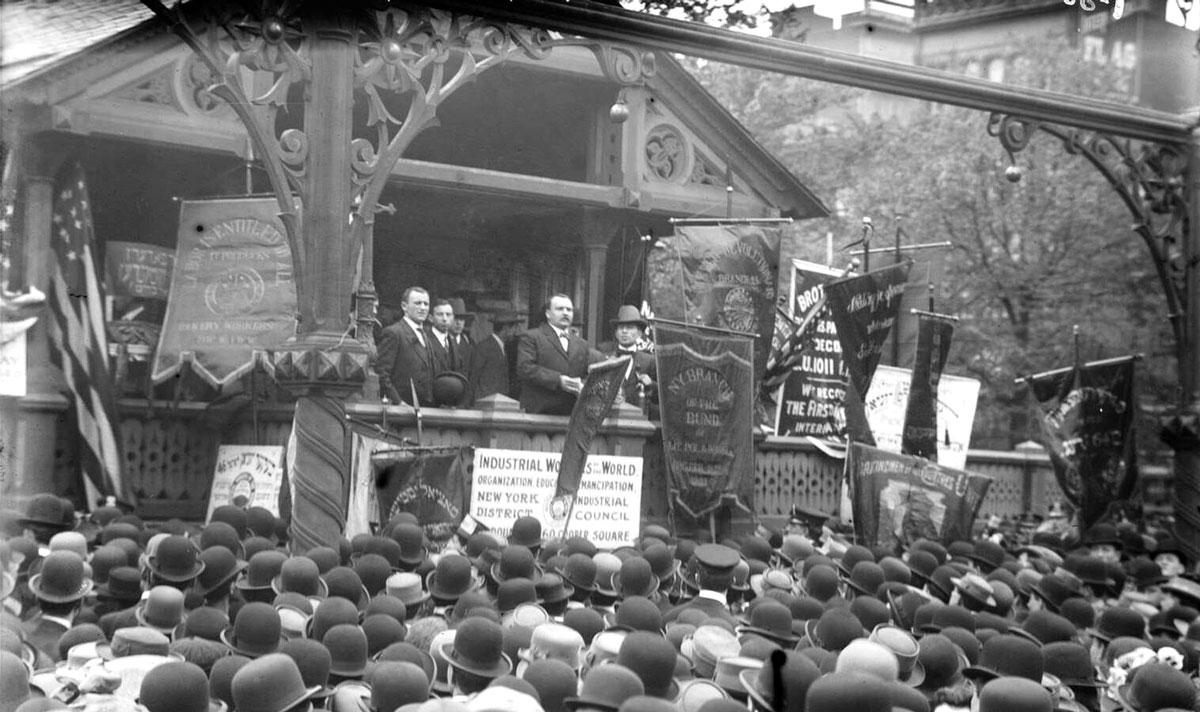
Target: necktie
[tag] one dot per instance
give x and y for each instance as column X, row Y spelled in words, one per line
column 450, row 351
column 562, row 339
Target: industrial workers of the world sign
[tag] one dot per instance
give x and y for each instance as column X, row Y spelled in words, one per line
column 508, row 484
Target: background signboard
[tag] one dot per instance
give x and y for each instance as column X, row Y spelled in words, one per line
column 247, row 476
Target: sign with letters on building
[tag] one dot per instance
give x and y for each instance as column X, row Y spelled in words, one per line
column 508, row 484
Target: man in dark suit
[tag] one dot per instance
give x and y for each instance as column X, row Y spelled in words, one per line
column 489, row 358
column 445, row 356
column 404, row 356
column 627, row 334
column 464, row 345
column 551, row 362
column 714, row 574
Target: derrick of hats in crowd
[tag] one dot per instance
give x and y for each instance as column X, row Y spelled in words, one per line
column 114, row 613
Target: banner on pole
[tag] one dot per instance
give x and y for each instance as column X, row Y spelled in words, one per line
column 706, row 393
column 811, row 401
column 920, row 414
column 956, row 402
column 431, row 483
column 1087, row 422
column 898, row 499
column 719, row 275
column 138, row 270
column 233, row 293
column 865, row 307
column 247, row 476
column 595, row 401
column 507, row 484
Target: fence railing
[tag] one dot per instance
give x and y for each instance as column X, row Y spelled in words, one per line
column 170, row 450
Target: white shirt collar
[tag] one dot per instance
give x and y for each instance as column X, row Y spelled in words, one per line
column 713, row 596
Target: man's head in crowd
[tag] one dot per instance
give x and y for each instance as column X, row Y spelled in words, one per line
column 442, row 316
column 415, row 304
column 560, row 311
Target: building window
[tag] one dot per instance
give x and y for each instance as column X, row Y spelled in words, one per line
column 995, row 69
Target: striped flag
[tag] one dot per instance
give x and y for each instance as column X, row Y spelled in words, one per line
column 78, row 339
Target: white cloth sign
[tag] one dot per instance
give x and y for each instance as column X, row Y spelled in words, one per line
column 956, row 401
column 508, row 484
column 247, row 476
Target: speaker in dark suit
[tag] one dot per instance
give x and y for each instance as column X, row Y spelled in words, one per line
column 552, row 363
column 489, row 357
column 404, row 353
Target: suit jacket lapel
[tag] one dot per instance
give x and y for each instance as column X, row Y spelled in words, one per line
column 555, row 340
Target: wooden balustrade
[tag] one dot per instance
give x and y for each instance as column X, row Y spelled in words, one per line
column 170, row 450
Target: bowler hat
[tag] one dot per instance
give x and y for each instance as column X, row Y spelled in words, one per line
column 865, row 577
column 47, row 510
column 787, row 674
column 1043, row 627
column 206, row 622
column 551, row 589
column 514, row 592
column 821, row 582
column 324, row 557
column 1156, row 686
column 526, row 531
column 256, row 630
column 175, row 687
column 220, row 678
column 301, row 575
column 313, row 660
column 554, row 681
column 374, row 569
column 124, row 585
column 834, row 629
column 262, row 568
column 580, row 571
column 389, row 606
column 1071, row 663
column 271, row 683
column 221, row 567
column 449, row 388
column 636, row 613
column 941, row 660
column 988, row 555
column 856, row 691
column 1008, row 655
column 261, row 521
column 869, row 657
column 1007, row 694
column 606, row 688
column 176, row 560
column 394, row 684
column 162, row 610
column 411, row 539
column 635, row 578
column 587, row 621
column 516, row 561
column 1119, row 622
column 1146, row 573
column 382, row 630
column 628, row 314
column 232, row 515
column 61, row 579
column 344, row 583
column 772, row 621
column 332, row 611
column 478, row 648
column 347, row 645
column 221, row 534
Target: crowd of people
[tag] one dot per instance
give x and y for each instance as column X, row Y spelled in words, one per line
column 427, row 357
column 108, row 612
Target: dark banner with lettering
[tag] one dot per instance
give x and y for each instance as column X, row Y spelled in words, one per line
column 233, row 294
column 600, row 389
column 920, row 434
column 706, row 391
column 138, row 270
column 1087, row 422
column 898, row 499
column 811, row 402
column 719, row 275
column 431, row 483
column 864, row 308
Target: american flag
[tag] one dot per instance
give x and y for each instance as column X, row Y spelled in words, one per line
column 78, row 339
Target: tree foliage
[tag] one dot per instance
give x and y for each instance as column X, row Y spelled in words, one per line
column 1029, row 259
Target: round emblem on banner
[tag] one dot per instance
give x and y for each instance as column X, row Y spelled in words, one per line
column 235, row 292
column 739, row 311
column 241, row 491
column 555, row 508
